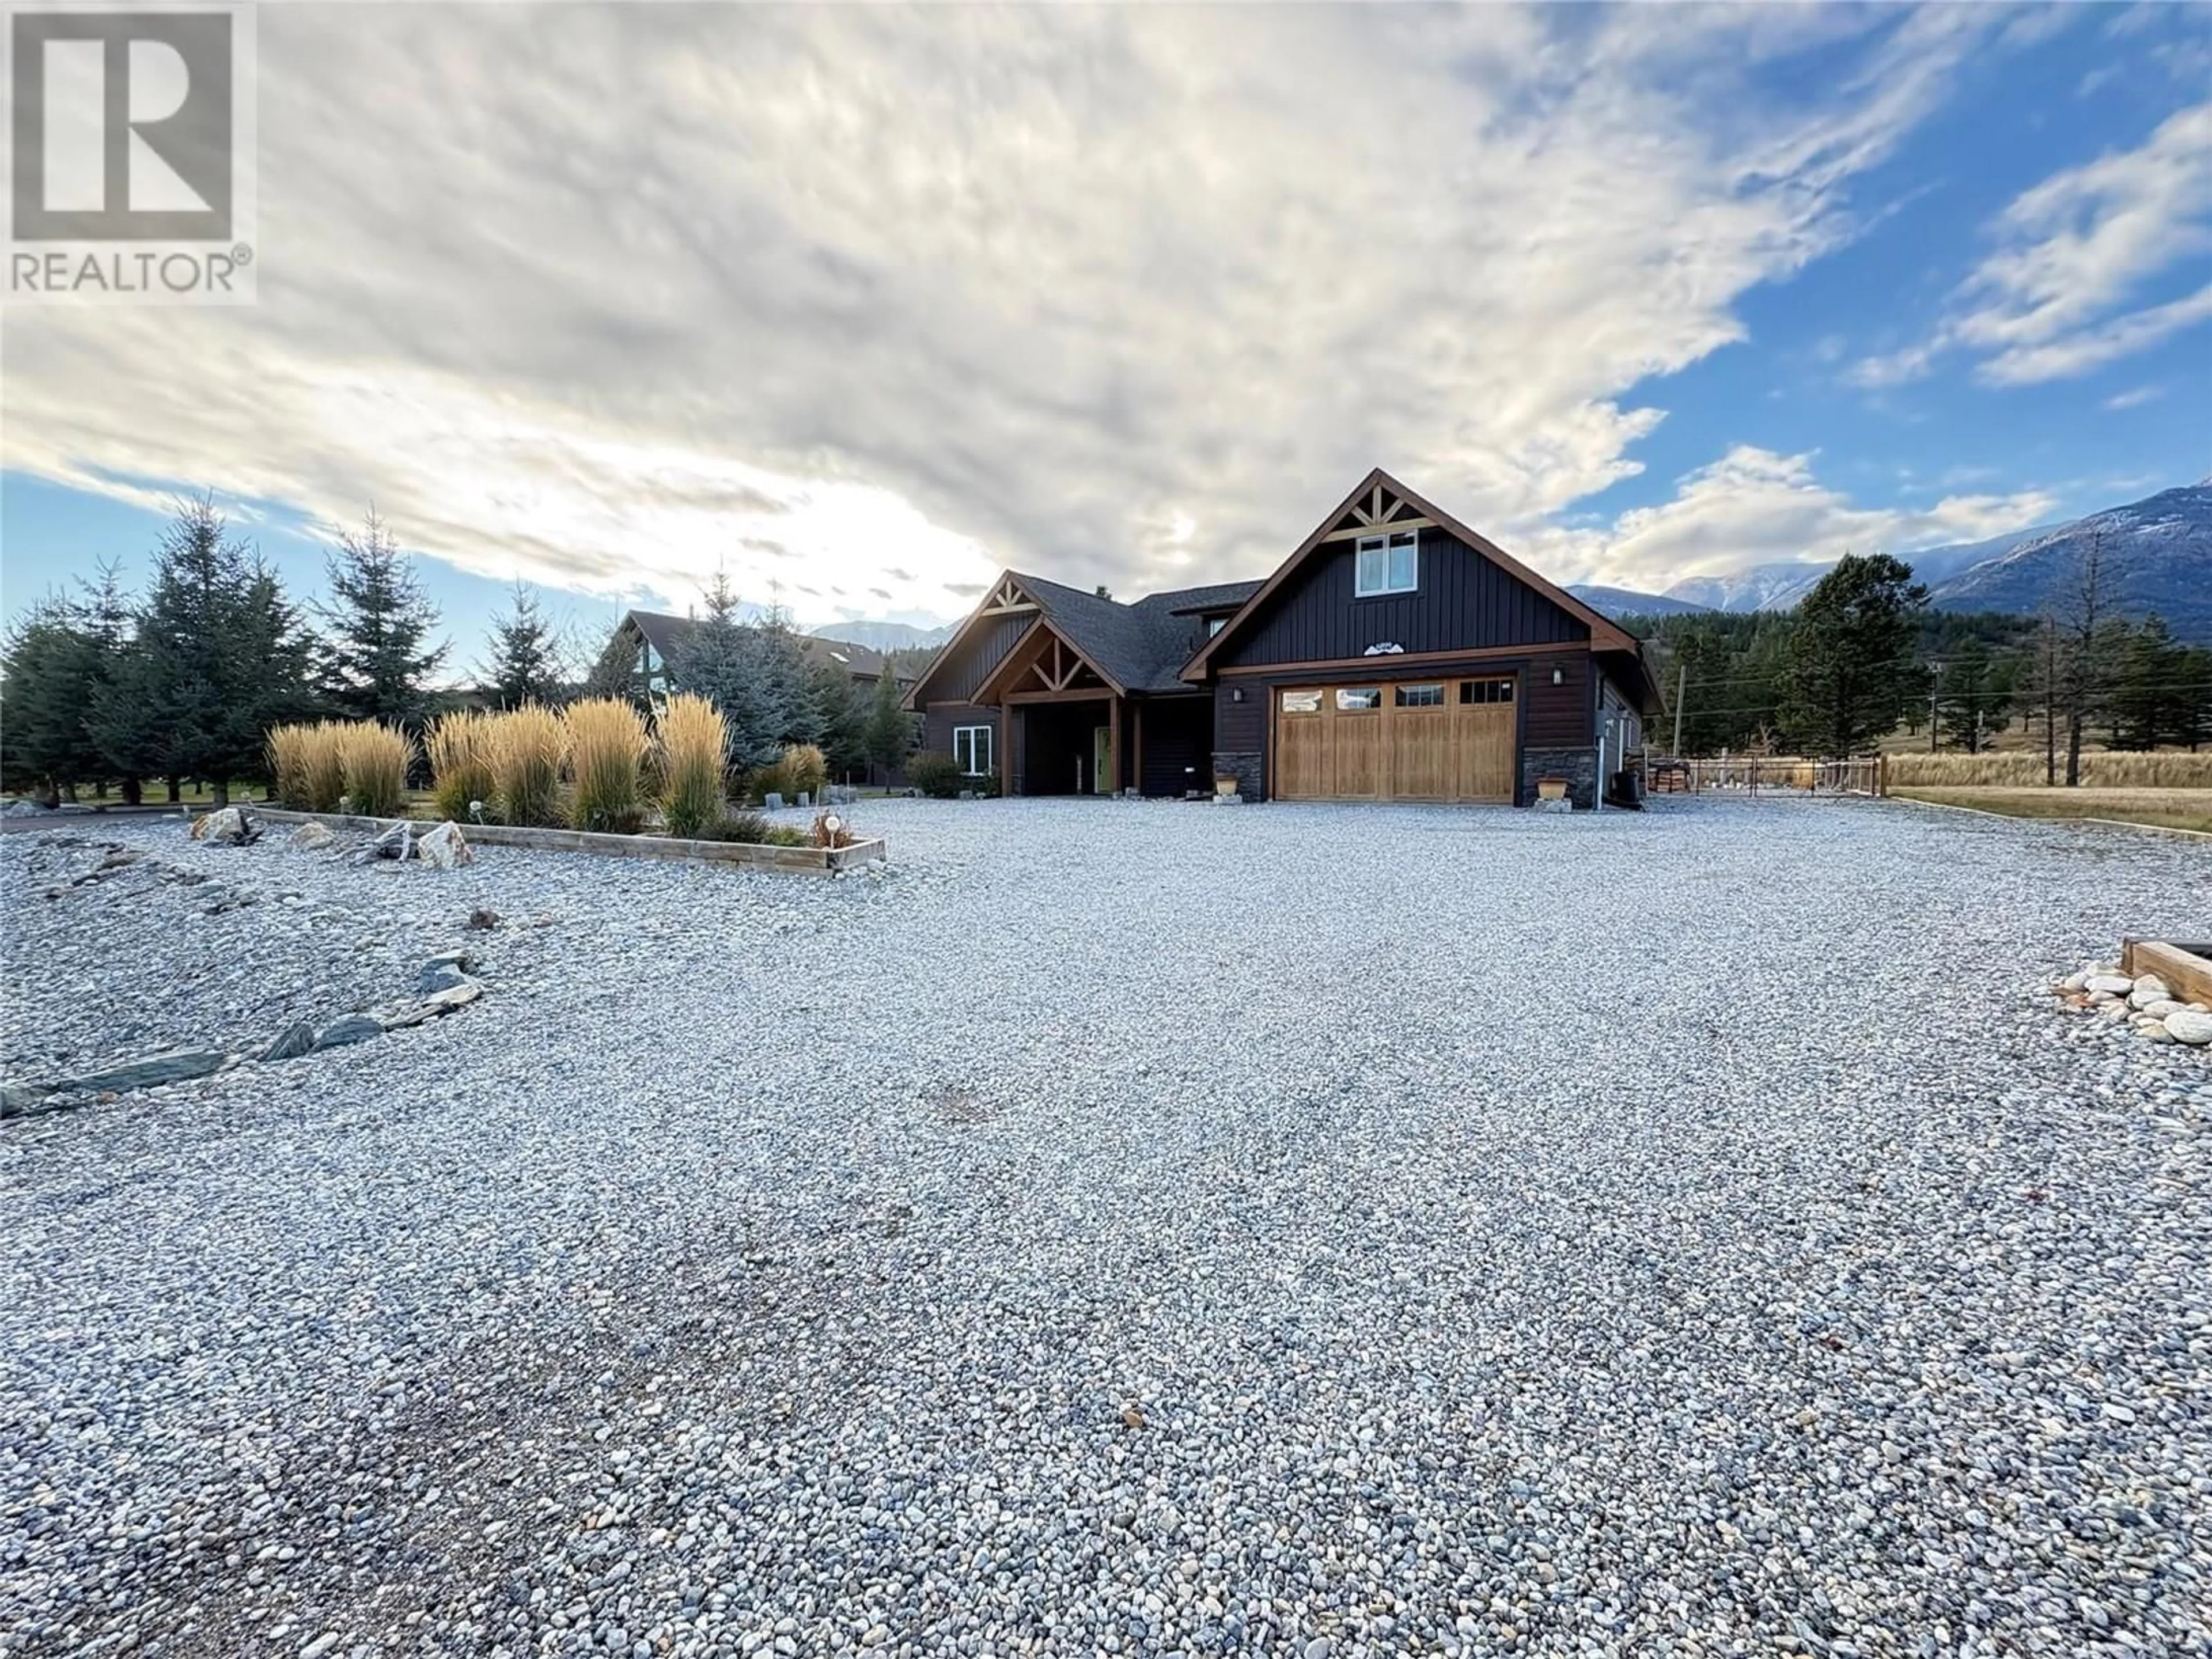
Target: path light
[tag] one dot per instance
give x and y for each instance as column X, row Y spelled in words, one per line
column 832, row 822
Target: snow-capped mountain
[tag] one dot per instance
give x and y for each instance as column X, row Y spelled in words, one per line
column 1626, row 601
column 1776, row 586
column 2156, row 554
column 884, row 635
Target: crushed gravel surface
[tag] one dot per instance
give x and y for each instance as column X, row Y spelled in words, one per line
column 1121, row 1228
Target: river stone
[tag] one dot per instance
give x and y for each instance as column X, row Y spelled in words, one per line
column 2194, row 1029
column 2118, row 985
column 2151, row 986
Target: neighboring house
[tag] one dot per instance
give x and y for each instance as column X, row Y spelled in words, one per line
column 654, row 636
column 1396, row 655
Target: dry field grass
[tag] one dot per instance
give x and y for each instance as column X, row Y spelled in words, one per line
column 2101, row 769
column 2168, row 809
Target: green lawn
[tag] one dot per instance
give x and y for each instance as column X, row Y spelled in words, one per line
column 2165, row 809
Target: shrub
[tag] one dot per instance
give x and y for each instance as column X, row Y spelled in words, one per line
column 324, row 766
column 782, row 834
column 830, row 829
column 749, row 827
column 607, row 741
column 693, row 740
column 936, row 774
column 288, row 747
column 374, row 759
column 459, row 746
column 804, row 770
column 528, row 745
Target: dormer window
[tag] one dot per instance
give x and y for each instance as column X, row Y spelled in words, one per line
column 1388, row 563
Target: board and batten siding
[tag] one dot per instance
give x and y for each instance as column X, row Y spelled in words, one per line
column 954, row 679
column 1463, row 602
column 939, row 720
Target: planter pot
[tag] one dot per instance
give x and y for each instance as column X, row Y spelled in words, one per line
column 1224, row 786
column 1550, row 788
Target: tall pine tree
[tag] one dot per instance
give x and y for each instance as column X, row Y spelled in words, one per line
column 1850, row 672
column 378, row 659
column 890, row 728
column 50, row 668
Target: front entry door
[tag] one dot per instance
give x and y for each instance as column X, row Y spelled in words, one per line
column 1102, row 760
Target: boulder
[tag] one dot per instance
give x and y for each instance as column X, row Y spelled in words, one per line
column 311, row 835
column 444, row 847
column 22, row 807
column 2193, row 1029
column 2117, row 985
column 230, row 827
column 296, row 1039
column 177, row 1066
column 438, row 976
column 354, row 1028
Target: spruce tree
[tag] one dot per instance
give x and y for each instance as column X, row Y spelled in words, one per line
column 844, row 711
column 1849, row 674
column 890, row 728
column 378, row 660
column 721, row 660
column 525, row 666
column 50, row 669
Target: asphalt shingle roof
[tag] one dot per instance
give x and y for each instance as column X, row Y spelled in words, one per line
column 1144, row 644
column 666, row 634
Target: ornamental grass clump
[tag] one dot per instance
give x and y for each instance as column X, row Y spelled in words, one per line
column 804, row 769
column 374, row 759
column 286, row 747
column 528, row 745
column 693, row 742
column 607, row 744
column 459, row 746
column 307, row 765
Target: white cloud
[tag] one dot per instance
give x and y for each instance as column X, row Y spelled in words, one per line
column 2060, row 294
column 1113, row 294
column 2134, row 397
column 1755, row 506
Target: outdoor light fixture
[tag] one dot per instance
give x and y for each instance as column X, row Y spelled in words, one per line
column 1558, row 677
column 1236, row 694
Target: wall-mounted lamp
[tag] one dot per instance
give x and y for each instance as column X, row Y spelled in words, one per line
column 1558, row 677
column 1236, row 694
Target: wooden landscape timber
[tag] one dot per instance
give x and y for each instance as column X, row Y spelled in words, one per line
column 796, row 861
column 2186, row 969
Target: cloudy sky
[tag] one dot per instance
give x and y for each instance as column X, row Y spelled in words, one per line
column 864, row 303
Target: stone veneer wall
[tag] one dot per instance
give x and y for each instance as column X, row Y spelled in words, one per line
column 1577, row 765
column 1244, row 765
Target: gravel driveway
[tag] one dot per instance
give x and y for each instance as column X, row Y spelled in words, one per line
column 1121, row 1228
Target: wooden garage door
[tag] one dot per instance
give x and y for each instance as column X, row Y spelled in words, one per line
column 1444, row 740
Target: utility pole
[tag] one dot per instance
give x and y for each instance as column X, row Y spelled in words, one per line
column 1681, row 690
column 1934, row 681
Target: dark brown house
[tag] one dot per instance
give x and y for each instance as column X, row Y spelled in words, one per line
column 1396, row 655
column 650, row 637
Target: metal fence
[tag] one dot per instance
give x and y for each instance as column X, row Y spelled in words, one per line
column 1765, row 775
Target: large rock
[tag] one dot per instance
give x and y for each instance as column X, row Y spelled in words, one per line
column 444, row 847
column 354, row 1028
column 2189, row 1027
column 177, row 1065
column 296, row 1039
column 24, row 808
column 230, row 827
column 438, row 976
column 311, row 836
column 2117, row 985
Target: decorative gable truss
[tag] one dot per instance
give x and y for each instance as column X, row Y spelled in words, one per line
column 1381, row 509
column 1007, row 599
column 1043, row 666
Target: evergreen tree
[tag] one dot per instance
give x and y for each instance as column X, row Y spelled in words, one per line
column 1850, row 674
column 721, row 660
column 890, row 728
column 378, row 624
column 791, row 706
column 220, row 656
column 50, row 668
column 844, row 714
column 525, row 657
column 1965, row 694
column 2192, row 699
column 2147, row 667
column 104, row 616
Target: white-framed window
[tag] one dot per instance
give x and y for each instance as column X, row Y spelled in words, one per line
column 972, row 750
column 1215, row 625
column 1388, row 563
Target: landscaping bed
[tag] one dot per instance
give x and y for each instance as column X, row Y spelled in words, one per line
column 815, row 860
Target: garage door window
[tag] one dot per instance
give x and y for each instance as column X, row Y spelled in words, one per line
column 1420, row 697
column 1302, row 703
column 1387, row 564
column 1485, row 691
column 1359, row 696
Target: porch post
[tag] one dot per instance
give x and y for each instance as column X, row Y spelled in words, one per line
column 1114, row 744
column 1005, row 749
